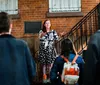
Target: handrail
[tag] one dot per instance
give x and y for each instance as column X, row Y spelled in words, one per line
column 81, row 32
column 83, row 29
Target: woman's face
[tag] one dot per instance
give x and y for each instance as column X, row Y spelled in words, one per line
column 47, row 24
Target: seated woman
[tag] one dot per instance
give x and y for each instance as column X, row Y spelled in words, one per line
column 68, row 51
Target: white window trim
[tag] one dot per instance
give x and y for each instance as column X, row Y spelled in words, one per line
column 9, row 6
column 61, row 8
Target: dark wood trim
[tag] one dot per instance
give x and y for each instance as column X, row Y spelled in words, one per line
column 65, row 14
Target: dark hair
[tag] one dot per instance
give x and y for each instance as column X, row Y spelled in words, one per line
column 44, row 28
column 67, row 47
column 4, row 22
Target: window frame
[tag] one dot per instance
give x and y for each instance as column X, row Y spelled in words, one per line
column 64, row 13
column 9, row 6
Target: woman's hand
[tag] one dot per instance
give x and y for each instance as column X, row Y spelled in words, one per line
column 43, row 34
column 62, row 34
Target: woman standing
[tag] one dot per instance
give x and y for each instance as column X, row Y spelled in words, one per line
column 46, row 49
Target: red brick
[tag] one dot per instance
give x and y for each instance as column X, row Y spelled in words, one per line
column 35, row 10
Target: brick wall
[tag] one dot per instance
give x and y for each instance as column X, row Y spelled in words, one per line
column 35, row 10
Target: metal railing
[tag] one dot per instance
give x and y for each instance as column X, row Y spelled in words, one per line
column 82, row 31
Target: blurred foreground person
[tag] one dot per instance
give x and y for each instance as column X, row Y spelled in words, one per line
column 92, row 61
column 17, row 66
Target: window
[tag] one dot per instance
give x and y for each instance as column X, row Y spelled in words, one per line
column 9, row 6
column 56, row 6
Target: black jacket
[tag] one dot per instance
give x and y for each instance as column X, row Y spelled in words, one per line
column 92, row 61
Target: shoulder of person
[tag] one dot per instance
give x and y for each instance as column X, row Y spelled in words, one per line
column 80, row 59
column 21, row 42
column 94, row 38
column 53, row 30
column 59, row 58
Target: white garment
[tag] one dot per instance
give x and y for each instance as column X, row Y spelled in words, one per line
column 70, row 79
